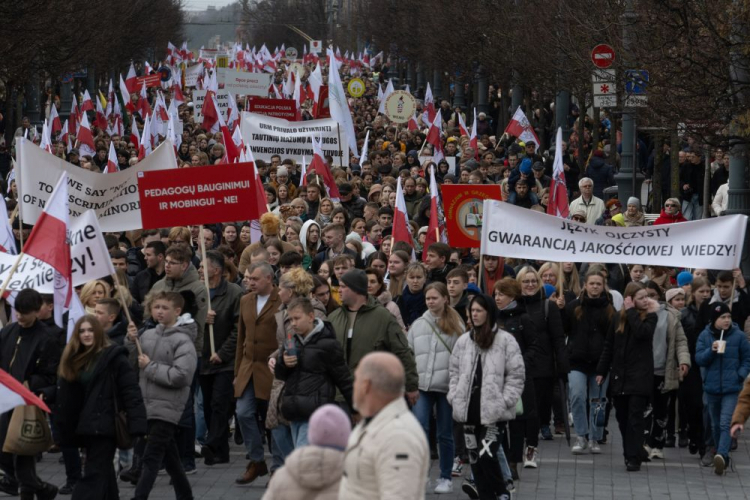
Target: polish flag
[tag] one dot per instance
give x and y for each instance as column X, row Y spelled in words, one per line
column 429, row 103
column 74, row 117
column 145, row 147
column 66, row 132
column 49, row 243
column 433, row 137
column 401, row 218
column 100, row 120
column 433, row 229
column 46, row 142
column 143, row 107
column 177, row 92
column 112, row 165
column 230, row 150
column 298, row 97
column 131, row 81
column 520, row 127
column 462, row 125
column 87, row 104
column 237, row 139
column 85, row 138
column 13, row 393
column 54, row 121
column 134, row 137
column 172, row 135
column 413, row 123
column 125, row 94
column 303, row 169
column 558, row 192
column 388, row 91
column 473, row 141
column 210, row 114
column 110, row 100
column 260, row 194
column 233, row 114
column 319, row 166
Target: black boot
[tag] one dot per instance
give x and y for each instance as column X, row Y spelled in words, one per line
column 48, row 492
column 133, row 474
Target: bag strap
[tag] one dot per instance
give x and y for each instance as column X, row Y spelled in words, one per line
column 440, row 338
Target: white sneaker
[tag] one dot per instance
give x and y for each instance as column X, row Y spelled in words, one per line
column 656, row 453
column 594, row 447
column 530, row 458
column 580, row 447
column 444, row 486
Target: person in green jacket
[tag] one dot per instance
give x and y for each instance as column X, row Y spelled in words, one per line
column 362, row 326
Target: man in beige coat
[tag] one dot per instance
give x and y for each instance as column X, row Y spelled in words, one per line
column 256, row 340
column 387, row 456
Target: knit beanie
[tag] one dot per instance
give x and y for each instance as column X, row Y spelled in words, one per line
column 684, row 278
column 717, row 310
column 634, row 201
column 356, row 279
column 673, row 292
column 525, row 167
column 549, row 290
column 329, row 426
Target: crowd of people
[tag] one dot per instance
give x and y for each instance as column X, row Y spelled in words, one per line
column 325, row 343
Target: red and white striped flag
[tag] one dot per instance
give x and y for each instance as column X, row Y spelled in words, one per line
column 87, row 104
column 131, row 81
column 112, row 165
column 125, row 94
column 13, row 393
column 54, row 121
column 434, row 138
column 49, row 243
column 7, row 240
column 319, row 166
column 400, row 231
column 433, row 229
column 473, row 141
column 558, row 191
column 86, row 138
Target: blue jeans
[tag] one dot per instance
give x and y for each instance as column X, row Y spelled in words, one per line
column 201, row 429
column 692, row 210
column 247, row 419
column 283, row 445
column 721, row 407
column 584, row 390
column 422, row 410
column 299, row 433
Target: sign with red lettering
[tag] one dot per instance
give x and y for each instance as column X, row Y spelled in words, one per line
column 151, row 81
column 278, row 108
column 323, row 111
column 197, row 195
column 463, row 205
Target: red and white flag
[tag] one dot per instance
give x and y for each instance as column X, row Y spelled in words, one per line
column 49, row 243
column 74, row 117
column 303, row 170
column 520, row 127
column 434, row 138
column 260, row 192
column 134, row 137
column 7, row 240
column 319, row 166
column 233, row 114
column 85, row 138
column 125, row 94
column 210, row 114
column 401, row 230
column 131, row 81
column 143, row 107
column 473, row 141
column 146, row 145
column 462, row 125
column 413, row 123
column 46, row 142
column 100, row 120
column 433, row 229
column 112, row 165
column 13, row 393
column 87, row 104
column 54, row 121
column 177, row 96
column 429, row 103
column 558, row 191
column 388, row 91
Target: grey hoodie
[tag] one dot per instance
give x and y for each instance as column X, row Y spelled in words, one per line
column 165, row 381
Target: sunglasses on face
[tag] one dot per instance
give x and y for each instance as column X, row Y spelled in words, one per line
column 579, row 219
column 668, row 205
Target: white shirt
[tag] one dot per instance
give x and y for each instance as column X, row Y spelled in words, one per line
column 261, row 303
column 594, row 208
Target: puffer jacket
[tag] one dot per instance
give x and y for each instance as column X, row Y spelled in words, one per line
column 311, row 472
column 516, row 322
column 503, row 376
column 165, row 382
column 724, row 373
column 431, row 355
column 90, row 411
column 320, row 370
column 190, row 281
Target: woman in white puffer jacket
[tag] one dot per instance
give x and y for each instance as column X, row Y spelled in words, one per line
column 432, row 338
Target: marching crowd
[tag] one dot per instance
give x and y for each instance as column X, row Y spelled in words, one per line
column 351, row 359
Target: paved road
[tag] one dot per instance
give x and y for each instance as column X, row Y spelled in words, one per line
column 560, row 477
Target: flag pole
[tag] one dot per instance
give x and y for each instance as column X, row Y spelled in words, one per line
column 127, row 311
column 560, row 279
column 208, row 290
column 10, row 274
column 481, row 271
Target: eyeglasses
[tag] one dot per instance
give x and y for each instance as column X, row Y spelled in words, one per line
column 172, row 263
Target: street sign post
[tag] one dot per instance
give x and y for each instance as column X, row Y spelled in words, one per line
column 603, row 56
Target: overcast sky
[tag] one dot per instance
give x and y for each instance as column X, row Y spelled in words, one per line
column 202, row 4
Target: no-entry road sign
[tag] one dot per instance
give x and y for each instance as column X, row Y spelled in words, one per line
column 603, row 56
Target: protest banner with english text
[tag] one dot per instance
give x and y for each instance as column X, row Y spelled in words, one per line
column 113, row 197
column 199, row 195
column 511, row 231
column 269, row 136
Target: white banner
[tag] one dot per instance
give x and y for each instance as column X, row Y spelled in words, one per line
column 222, row 103
column 88, row 254
column 510, row 231
column 244, row 83
column 113, row 197
column 269, row 136
column 192, row 73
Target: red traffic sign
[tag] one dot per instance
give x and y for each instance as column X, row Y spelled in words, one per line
column 603, row 56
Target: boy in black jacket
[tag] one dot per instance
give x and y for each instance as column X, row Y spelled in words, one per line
column 313, row 366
